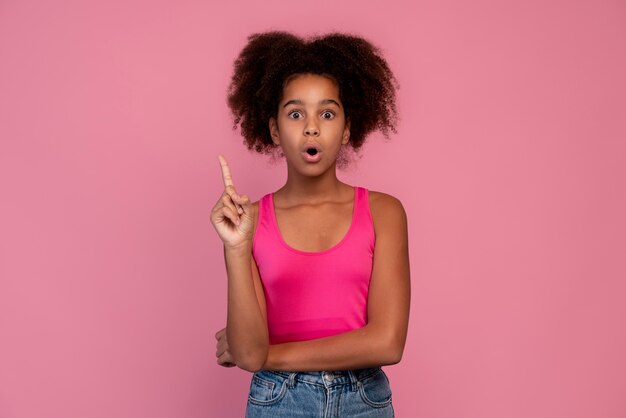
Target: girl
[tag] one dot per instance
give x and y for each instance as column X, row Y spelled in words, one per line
column 318, row 271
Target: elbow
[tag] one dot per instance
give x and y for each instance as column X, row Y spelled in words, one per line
column 395, row 349
column 395, row 355
column 252, row 360
column 249, row 352
column 389, row 344
column 251, row 364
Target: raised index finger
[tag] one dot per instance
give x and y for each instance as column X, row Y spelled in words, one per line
column 228, row 179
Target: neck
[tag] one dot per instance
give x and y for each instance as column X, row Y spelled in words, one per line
column 311, row 189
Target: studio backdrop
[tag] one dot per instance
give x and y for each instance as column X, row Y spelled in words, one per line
column 509, row 159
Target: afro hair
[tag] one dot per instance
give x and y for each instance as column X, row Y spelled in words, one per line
column 366, row 83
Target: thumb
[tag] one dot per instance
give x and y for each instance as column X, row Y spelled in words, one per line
column 245, row 203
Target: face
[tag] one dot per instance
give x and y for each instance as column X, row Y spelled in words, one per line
column 310, row 116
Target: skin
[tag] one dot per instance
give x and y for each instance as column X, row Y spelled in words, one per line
column 314, row 205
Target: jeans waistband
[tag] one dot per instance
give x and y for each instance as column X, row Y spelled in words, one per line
column 327, row 378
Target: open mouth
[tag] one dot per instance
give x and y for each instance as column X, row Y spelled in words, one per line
column 311, row 153
column 311, row 148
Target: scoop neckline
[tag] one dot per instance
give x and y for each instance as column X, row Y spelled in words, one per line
column 339, row 244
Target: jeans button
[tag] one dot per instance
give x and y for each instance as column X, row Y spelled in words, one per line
column 329, row 376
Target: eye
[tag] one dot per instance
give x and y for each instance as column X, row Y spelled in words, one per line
column 332, row 115
column 295, row 112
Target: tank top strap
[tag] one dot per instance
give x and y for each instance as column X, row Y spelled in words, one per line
column 363, row 221
column 264, row 225
column 264, row 207
column 361, row 211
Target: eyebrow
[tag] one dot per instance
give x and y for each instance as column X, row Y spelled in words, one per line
column 301, row 103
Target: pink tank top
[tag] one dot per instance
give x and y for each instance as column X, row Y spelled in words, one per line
column 314, row 294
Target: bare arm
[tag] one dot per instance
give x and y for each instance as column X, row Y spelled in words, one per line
column 224, row 357
column 246, row 327
column 382, row 340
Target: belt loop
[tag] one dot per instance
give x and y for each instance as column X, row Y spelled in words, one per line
column 292, row 380
column 353, row 381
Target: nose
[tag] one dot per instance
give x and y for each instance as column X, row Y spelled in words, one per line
column 310, row 129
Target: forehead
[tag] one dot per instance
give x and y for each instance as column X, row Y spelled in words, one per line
column 312, row 86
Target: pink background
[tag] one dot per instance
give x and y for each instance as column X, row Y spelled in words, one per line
column 510, row 160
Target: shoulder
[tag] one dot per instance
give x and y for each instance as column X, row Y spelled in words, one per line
column 383, row 204
column 388, row 214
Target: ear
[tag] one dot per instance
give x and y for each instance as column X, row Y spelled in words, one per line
column 346, row 133
column 274, row 131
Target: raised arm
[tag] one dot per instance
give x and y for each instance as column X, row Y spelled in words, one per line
column 381, row 341
column 246, row 327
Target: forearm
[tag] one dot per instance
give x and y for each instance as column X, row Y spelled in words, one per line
column 360, row 348
column 245, row 327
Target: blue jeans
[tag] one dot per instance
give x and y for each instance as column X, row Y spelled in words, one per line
column 363, row 393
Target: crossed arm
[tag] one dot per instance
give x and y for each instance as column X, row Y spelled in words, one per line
column 381, row 341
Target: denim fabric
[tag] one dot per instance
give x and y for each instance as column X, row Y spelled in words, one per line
column 363, row 393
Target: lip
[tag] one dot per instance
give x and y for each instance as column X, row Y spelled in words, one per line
column 311, row 158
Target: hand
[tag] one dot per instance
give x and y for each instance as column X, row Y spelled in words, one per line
column 232, row 215
column 223, row 355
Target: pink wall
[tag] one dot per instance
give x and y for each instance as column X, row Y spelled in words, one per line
column 510, row 161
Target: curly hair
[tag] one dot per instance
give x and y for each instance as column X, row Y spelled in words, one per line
column 270, row 59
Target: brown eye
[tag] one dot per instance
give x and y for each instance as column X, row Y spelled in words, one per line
column 294, row 112
column 332, row 115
